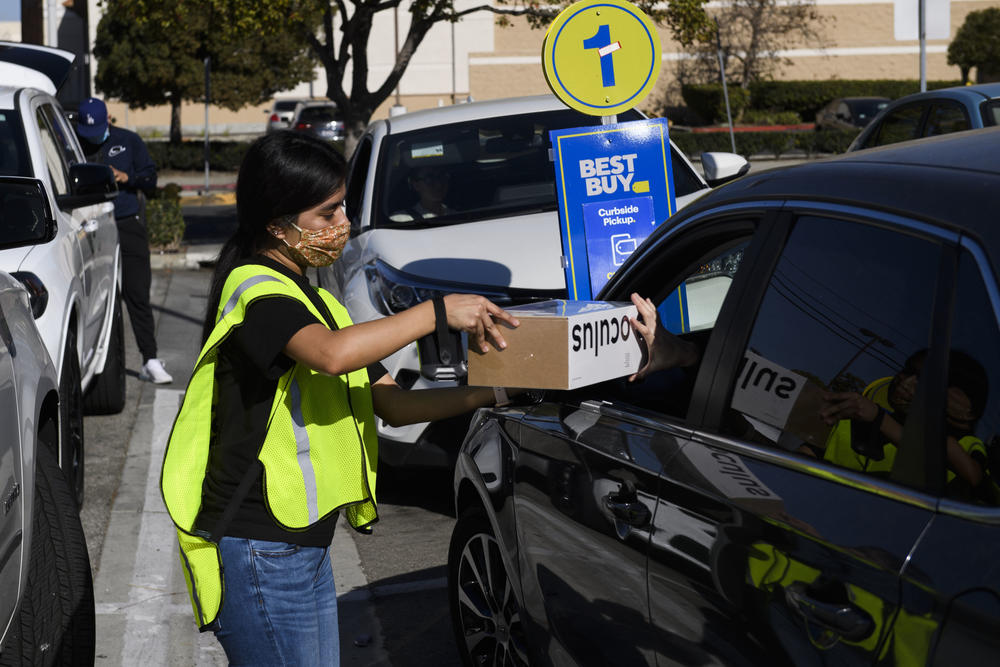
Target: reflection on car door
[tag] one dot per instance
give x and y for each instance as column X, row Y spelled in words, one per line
column 584, row 494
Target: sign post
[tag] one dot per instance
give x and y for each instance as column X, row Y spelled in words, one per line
column 614, row 180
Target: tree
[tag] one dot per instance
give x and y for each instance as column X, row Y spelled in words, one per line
column 157, row 57
column 312, row 21
column 977, row 44
column 752, row 33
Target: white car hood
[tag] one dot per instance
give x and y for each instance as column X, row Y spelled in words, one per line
column 523, row 252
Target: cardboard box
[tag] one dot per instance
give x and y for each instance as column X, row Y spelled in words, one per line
column 562, row 344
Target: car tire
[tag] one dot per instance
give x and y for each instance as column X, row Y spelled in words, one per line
column 55, row 623
column 485, row 611
column 106, row 395
column 71, row 419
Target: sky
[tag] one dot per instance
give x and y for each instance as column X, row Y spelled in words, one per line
column 10, row 10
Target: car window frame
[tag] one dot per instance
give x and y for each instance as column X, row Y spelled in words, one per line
column 987, row 118
column 357, row 179
column 60, row 181
column 718, row 395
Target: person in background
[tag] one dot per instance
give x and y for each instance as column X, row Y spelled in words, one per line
column 135, row 173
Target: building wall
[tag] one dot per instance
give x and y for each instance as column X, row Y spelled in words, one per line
column 862, row 39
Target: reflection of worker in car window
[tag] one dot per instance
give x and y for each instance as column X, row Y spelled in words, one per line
column 431, row 185
column 868, row 426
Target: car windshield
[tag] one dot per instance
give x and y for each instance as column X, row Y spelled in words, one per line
column 481, row 169
column 991, row 113
column 318, row 114
column 13, row 152
column 867, row 109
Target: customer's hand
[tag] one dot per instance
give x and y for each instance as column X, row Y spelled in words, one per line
column 477, row 316
column 665, row 350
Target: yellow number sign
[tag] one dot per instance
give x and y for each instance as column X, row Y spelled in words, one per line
column 601, row 57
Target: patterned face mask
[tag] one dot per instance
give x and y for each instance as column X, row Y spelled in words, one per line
column 321, row 247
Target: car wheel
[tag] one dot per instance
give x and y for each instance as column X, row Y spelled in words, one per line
column 54, row 624
column 71, row 419
column 106, row 395
column 485, row 612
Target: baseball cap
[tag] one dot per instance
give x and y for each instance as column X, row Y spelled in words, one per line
column 92, row 122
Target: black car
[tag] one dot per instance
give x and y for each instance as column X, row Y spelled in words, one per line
column 850, row 113
column 698, row 517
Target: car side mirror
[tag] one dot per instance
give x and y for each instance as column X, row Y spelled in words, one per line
column 721, row 168
column 25, row 215
column 88, row 184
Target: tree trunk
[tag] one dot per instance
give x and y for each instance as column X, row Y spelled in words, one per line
column 175, row 119
column 354, row 129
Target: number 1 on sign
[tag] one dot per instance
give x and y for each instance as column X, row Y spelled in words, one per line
column 605, row 48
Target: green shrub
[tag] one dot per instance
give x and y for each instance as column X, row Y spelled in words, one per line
column 807, row 97
column 776, row 143
column 768, row 117
column 165, row 223
column 708, row 102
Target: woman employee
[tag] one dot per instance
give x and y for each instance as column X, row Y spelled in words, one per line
column 276, row 434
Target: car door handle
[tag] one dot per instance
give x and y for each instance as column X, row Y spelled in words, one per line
column 90, row 225
column 844, row 618
column 628, row 509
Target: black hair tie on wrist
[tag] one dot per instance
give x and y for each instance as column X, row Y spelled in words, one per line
column 441, row 326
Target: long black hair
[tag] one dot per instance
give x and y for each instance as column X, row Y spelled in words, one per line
column 282, row 174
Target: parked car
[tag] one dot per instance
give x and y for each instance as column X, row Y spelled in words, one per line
column 498, row 234
column 932, row 113
column 46, row 588
column 849, row 113
column 322, row 119
column 694, row 517
column 279, row 116
column 73, row 276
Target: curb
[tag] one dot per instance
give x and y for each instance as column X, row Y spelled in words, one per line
column 209, row 199
column 188, row 257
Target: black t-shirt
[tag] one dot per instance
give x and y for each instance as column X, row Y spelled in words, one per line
column 250, row 362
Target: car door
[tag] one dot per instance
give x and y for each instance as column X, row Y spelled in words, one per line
column 584, row 496
column 96, row 236
column 950, row 610
column 11, row 537
column 805, row 551
column 694, row 275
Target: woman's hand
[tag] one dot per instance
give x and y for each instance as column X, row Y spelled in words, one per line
column 476, row 315
column 847, row 405
column 665, row 349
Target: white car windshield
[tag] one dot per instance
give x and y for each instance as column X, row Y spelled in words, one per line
column 480, row 169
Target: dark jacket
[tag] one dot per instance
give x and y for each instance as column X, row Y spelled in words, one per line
column 125, row 151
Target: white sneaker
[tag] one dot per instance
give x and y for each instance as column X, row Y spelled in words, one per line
column 153, row 371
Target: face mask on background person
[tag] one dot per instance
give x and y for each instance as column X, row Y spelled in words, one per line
column 319, row 247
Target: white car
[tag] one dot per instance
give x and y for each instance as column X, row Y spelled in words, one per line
column 485, row 221
column 46, row 587
column 73, row 275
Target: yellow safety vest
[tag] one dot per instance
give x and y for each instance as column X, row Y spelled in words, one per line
column 319, row 453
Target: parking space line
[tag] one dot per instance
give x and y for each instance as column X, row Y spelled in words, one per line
column 150, row 603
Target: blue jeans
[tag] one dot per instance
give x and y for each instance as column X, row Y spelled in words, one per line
column 280, row 604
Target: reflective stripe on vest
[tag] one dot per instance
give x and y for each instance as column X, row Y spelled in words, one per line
column 319, row 452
